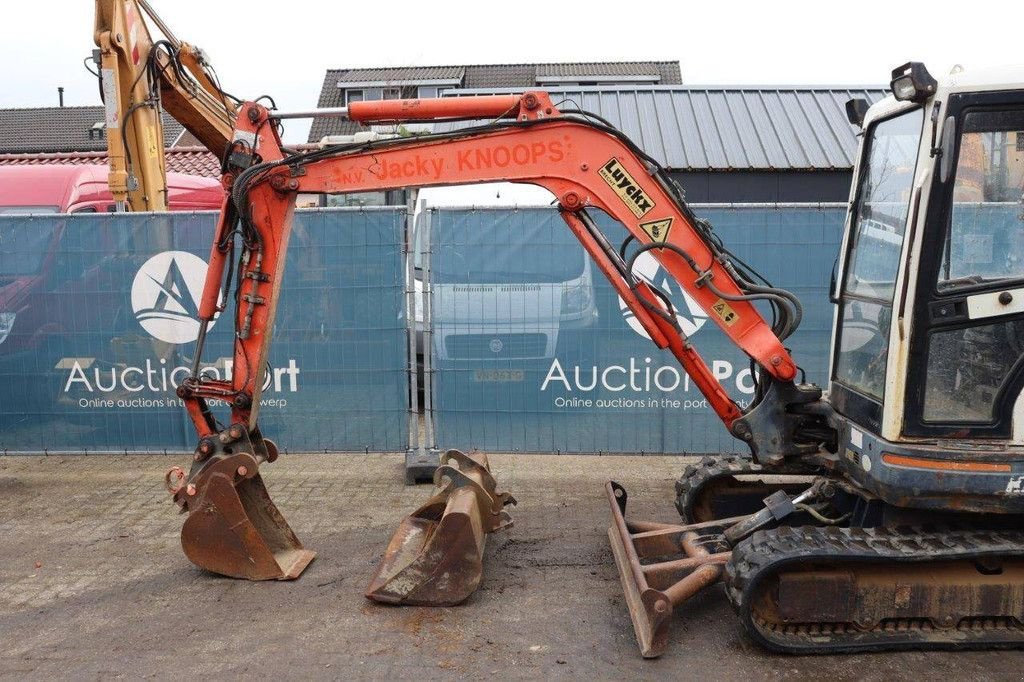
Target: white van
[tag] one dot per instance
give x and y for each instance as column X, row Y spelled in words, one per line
column 506, row 286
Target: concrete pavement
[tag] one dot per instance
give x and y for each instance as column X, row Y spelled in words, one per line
column 93, row 584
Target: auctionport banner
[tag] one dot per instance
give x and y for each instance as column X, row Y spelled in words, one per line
column 535, row 352
column 98, row 319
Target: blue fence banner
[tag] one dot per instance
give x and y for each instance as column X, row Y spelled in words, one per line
column 535, row 352
column 98, row 318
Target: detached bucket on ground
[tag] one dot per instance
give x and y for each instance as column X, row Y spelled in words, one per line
column 435, row 558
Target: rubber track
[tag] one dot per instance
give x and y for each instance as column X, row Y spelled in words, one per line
column 696, row 476
column 766, row 552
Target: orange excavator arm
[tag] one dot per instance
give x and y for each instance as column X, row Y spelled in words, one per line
column 583, row 161
column 583, row 165
column 139, row 78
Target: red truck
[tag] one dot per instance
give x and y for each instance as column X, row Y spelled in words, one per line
column 83, row 189
column 27, row 257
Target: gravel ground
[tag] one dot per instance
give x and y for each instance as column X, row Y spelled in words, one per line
column 94, row 585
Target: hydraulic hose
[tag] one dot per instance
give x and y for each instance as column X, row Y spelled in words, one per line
column 788, row 304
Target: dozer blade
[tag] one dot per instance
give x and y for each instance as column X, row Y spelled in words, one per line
column 233, row 527
column 661, row 566
column 435, row 558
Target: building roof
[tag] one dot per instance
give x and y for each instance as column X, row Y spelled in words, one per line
column 725, row 128
column 480, row 76
column 60, row 129
column 605, row 69
column 400, row 74
column 188, row 160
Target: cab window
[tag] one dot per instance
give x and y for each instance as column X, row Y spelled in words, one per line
column 967, row 367
column 985, row 236
column 878, row 227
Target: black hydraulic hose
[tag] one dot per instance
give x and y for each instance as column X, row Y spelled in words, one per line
column 795, row 307
column 625, row 243
column 785, row 326
column 669, row 314
column 664, row 245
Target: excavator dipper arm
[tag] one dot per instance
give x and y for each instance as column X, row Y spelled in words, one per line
column 585, row 163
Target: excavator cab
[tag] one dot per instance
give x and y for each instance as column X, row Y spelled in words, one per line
column 928, row 348
column 902, row 530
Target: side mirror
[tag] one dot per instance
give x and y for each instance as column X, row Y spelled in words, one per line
column 856, row 110
column 948, row 146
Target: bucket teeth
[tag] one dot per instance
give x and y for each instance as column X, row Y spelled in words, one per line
column 233, row 527
column 435, row 558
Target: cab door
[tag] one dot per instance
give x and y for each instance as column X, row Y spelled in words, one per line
column 877, row 232
column 966, row 363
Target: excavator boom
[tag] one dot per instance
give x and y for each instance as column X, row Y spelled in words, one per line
column 139, row 78
column 585, row 163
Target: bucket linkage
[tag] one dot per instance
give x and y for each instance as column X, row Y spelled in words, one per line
column 435, row 558
column 233, row 527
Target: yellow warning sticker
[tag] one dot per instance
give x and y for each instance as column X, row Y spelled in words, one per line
column 631, row 193
column 725, row 311
column 657, row 230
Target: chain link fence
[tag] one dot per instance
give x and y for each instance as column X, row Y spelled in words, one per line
column 533, row 351
column 98, row 318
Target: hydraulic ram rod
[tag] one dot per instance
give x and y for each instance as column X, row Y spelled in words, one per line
column 334, row 112
column 395, row 110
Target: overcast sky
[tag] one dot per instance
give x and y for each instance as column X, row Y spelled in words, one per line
column 283, row 48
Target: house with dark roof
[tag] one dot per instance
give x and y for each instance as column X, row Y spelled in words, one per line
column 77, row 136
column 342, row 86
column 726, row 144
column 47, row 130
column 723, row 144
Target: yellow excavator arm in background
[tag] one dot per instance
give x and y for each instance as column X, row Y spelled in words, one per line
column 139, row 77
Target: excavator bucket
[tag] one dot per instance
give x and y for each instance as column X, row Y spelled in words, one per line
column 435, row 558
column 233, row 527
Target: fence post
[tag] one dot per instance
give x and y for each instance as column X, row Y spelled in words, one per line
column 420, row 462
column 428, row 334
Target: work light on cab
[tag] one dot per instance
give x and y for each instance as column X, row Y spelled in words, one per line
column 912, row 83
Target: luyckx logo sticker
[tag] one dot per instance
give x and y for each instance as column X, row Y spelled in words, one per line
column 627, row 188
column 165, row 293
